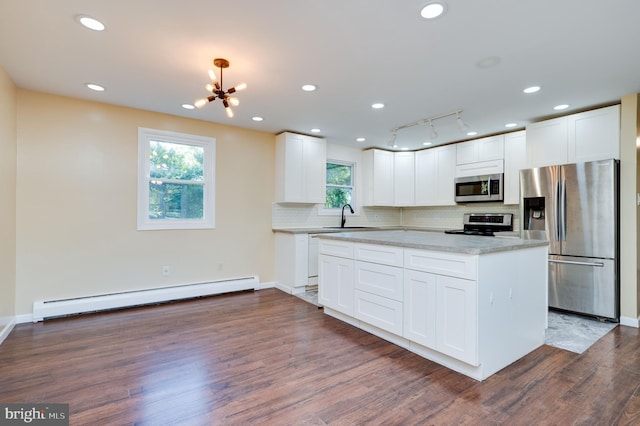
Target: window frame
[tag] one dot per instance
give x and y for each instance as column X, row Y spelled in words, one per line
column 322, row 210
column 145, row 137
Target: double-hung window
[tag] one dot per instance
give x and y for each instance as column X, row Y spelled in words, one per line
column 176, row 180
column 339, row 185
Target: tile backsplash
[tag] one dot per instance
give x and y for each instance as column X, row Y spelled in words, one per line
column 445, row 217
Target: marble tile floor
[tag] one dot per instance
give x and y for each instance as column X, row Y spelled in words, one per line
column 566, row 331
column 575, row 333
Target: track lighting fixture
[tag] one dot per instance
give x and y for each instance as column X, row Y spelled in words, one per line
column 392, row 141
column 463, row 126
column 429, row 121
column 215, row 87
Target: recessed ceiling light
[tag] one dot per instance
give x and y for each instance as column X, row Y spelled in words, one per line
column 472, row 133
column 432, row 10
column 377, row 105
column 426, row 143
column 95, row 87
column 256, row 118
column 532, row 89
column 561, row 107
column 360, row 139
column 404, row 149
column 188, row 106
column 315, row 130
column 509, row 125
column 309, row 87
column 91, row 23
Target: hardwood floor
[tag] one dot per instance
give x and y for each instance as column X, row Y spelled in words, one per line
column 272, row 359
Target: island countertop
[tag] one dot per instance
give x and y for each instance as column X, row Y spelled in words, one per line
column 429, row 240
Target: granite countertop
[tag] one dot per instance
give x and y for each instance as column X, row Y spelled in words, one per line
column 334, row 229
column 439, row 241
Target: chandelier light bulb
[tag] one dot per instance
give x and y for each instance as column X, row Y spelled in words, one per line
column 200, row 103
column 241, row 86
column 234, row 101
column 209, row 87
column 212, row 75
column 229, row 111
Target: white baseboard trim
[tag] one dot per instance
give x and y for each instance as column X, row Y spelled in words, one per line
column 269, row 284
column 630, row 322
column 290, row 290
column 24, row 318
column 4, row 332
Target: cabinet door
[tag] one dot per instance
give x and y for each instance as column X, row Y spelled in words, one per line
column 335, row 283
column 420, row 308
column 435, row 170
column 403, row 179
column 456, row 333
column 515, row 159
column 383, row 178
column 315, row 163
column 547, row 143
column 446, row 160
column 467, row 152
column 491, row 148
column 594, row 135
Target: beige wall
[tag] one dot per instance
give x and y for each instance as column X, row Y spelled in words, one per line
column 76, row 204
column 629, row 220
column 7, row 198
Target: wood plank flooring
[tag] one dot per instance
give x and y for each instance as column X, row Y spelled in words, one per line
column 268, row 358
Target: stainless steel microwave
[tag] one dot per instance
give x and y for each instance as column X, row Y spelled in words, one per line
column 480, row 188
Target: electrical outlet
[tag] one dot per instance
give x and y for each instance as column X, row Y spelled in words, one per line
column 165, row 270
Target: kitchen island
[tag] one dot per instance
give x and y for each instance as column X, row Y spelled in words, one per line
column 471, row 303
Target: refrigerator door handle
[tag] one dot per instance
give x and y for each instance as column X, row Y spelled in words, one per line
column 556, row 228
column 563, row 211
column 572, row 262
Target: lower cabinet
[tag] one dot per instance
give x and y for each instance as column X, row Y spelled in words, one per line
column 335, row 283
column 378, row 295
column 440, row 313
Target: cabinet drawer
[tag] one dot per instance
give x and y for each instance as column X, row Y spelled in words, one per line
column 450, row 264
column 336, row 248
column 384, row 255
column 379, row 311
column 381, row 280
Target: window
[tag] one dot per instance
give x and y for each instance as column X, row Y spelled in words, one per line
column 339, row 184
column 176, row 180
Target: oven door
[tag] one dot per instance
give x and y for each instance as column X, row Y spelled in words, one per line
column 479, row 188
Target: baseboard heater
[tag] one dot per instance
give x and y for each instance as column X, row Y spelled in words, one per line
column 58, row 308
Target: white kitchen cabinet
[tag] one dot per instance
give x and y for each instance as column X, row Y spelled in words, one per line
column 594, row 135
column 301, row 163
column 335, row 283
column 420, row 306
column 478, row 150
column 378, row 178
column 515, row 159
column 435, row 172
column 292, row 262
column 403, row 179
column 456, row 318
column 547, row 143
column 587, row 136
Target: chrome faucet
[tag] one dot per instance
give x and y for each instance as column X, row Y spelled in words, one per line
column 344, row 219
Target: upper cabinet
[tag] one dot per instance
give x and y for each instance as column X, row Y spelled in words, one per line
column 435, row 172
column 377, row 178
column 478, row 150
column 301, row 163
column 587, row 136
column 515, row 159
column 403, row 179
column 594, row 135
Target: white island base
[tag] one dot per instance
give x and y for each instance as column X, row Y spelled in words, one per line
column 473, row 313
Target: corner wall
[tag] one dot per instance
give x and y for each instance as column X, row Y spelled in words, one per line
column 8, row 140
column 76, row 204
column 629, row 218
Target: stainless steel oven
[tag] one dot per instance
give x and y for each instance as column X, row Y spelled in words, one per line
column 480, row 188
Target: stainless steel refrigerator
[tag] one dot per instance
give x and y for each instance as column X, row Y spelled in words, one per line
column 575, row 208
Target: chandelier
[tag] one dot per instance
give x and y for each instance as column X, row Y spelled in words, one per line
column 217, row 92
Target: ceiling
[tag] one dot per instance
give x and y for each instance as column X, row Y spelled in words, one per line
column 154, row 55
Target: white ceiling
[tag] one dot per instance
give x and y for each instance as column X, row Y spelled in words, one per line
column 154, row 55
